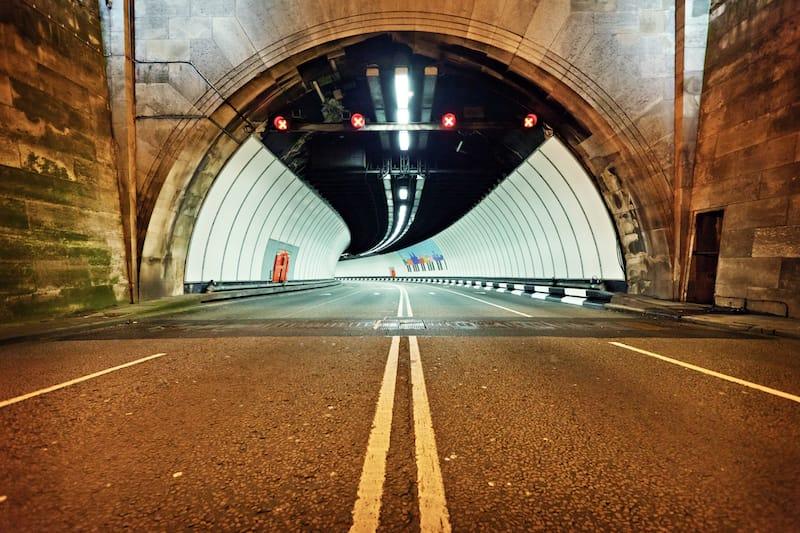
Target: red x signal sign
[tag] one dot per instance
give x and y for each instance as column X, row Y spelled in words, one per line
column 448, row 120
column 280, row 123
column 357, row 121
column 529, row 121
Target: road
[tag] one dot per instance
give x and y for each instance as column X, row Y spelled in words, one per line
column 400, row 407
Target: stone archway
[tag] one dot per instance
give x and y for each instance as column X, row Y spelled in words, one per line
column 630, row 156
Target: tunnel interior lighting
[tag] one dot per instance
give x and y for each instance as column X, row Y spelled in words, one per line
column 280, row 123
column 357, row 120
column 530, row 120
column 402, row 212
column 404, row 139
column 403, row 94
column 402, row 193
column 449, row 120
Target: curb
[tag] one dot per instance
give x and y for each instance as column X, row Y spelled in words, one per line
column 171, row 305
column 581, row 296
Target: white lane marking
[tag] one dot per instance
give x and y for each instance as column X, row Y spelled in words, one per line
column 433, row 514
column 400, row 303
column 750, row 384
column 432, row 293
column 409, row 312
column 39, row 392
column 326, row 302
column 326, row 294
column 520, row 313
column 367, row 509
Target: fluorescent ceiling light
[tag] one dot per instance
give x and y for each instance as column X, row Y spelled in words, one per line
column 401, row 220
column 404, row 139
column 402, row 193
column 402, row 86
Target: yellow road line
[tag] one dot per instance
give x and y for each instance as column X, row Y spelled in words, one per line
column 367, row 509
column 39, row 392
column 720, row 375
column 433, row 514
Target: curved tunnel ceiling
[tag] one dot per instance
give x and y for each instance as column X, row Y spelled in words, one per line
column 461, row 167
column 546, row 220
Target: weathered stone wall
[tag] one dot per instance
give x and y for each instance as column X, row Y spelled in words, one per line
column 61, row 243
column 748, row 154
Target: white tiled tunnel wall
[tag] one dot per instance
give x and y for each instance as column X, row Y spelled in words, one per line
column 256, row 198
column 545, row 220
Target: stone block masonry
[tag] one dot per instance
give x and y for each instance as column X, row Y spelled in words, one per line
column 749, row 149
column 61, row 247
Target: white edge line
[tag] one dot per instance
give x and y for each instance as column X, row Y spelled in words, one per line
column 750, row 384
column 75, row 381
column 490, row 303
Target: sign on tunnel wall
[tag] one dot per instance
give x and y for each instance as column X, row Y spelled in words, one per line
column 256, row 202
column 423, row 257
column 545, row 220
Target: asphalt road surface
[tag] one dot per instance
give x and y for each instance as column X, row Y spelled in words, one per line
column 400, row 407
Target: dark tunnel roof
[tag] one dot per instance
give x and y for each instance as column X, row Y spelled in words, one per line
column 459, row 167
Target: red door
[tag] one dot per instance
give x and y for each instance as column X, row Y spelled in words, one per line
column 280, row 269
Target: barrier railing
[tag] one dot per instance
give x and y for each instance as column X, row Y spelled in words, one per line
column 590, row 293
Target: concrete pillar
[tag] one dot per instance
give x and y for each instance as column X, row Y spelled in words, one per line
column 118, row 40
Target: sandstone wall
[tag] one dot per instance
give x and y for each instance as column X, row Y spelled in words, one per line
column 748, row 154
column 61, row 244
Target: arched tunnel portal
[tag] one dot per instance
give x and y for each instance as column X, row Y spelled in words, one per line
column 624, row 166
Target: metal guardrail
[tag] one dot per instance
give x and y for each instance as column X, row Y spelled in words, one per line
column 567, row 291
column 204, row 287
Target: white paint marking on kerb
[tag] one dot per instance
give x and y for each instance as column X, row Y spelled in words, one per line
column 433, row 514
column 520, row 313
column 749, row 384
column 11, row 401
column 367, row 509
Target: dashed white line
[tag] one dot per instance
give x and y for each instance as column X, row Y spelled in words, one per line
column 720, row 375
column 75, row 381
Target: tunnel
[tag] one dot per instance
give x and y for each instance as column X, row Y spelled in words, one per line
column 474, row 265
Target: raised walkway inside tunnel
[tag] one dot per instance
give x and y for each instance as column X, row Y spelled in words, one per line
column 404, row 406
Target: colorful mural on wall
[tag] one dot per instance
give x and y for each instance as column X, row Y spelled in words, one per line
column 423, row 257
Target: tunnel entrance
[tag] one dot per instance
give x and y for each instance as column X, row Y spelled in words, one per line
column 217, row 200
column 705, row 257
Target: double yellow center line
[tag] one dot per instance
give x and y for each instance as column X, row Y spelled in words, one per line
column 433, row 512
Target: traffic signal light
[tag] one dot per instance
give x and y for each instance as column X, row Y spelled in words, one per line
column 449, row 120
column 280, row 123
column 357, row 120
column 529, row 121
